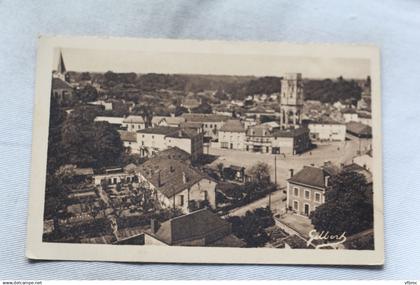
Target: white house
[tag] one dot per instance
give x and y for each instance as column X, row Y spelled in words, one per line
column 232, row 135
column 327, row 130
column 134, row 123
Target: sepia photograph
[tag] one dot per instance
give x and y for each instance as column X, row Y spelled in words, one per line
column 197, row 149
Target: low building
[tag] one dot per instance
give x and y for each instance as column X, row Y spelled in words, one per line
column 199, row 228
column 359, row 130
column 211, row 122
column 152, row 140
column 129, row 140
column 365, row 118
column 350, row 115
column 326, row 129
column 177, row 184
column 306, row 189
column 167, row 121
column 112, row 176
column 106, row 105
column 134, row 123
column 232, row 135
column 364, row 161
column 175, row 153
column 264, row 139
column 115, row 121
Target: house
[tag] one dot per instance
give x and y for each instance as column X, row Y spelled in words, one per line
column 199, row 228
column 168, row 121
column 232, row 135
column 326, row 129
column 263, row 138
column 365, row 118
column 153, row 140
column 364, row 161
column 177, row 184
column 116, row 175
column 359, row 130
column 291, row 141
column 115, row 121
column 339, row 106
column 306, row 189
column 134, row 123
column 211, row 122
column 61, row 90
column 129, row 140
column 106, row 105
column 175, row 153
column 350, row 115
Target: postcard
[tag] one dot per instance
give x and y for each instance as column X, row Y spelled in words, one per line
column 187, row 151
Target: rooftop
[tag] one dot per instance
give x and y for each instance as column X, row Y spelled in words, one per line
column 198, row 117
column 170, row 176
column 233, row 126
column 174, row 153
column 200, row 224
column 359, row 129
column 312, row 176
column 134, row 120
column 128, row 136
column 58, row 83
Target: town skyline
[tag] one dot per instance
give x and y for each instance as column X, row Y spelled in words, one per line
column 94, row 61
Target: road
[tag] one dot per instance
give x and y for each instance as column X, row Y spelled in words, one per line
column 276, row 204
column 335, row 152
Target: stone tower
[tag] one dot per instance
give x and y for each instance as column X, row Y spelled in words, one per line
column 291, row 101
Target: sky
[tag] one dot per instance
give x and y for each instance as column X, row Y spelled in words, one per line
column 210, row 63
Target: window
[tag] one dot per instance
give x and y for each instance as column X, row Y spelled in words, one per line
column 205, row 195
column 317, row 197
column 296, row 191
column 307, row 194
column 295, row 205
column 153, row 137
column 181, row 200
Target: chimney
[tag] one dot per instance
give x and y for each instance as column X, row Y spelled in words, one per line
column 184, row 178
column 159, row 179
column 154, row 225
column 326, row 178
column 180, row 133
column 291, row 172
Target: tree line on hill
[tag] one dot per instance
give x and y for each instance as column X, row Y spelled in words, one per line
column 227, row 87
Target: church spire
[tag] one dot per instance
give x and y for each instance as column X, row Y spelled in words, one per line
column 61, row 69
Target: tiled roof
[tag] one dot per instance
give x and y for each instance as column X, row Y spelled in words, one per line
column 128, row 136
column 58, row 83
column 233, row 126
column 359, row 129
column 174, row 153
column 168, row 119
column 183, row 133
column 134, row 120
column 290, row 132
column 259, row 131
column 161, row 130
column 171, row 173
column 196, row 225
column 197, row 117
column 312, row 176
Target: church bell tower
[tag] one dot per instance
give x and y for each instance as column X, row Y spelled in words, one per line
column 291, row 101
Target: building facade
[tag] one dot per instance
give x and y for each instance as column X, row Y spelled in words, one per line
column 211, row 123
column 232, row 135
column 327, row 131
column 134, row 123
column 306, row 189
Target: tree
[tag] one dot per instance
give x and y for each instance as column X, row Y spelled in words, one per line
column 347, row 207
column 146, row 112
column 260, row 172
column 90, row 144
column 203, row 108
column 87, row 94
column 251, row 227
